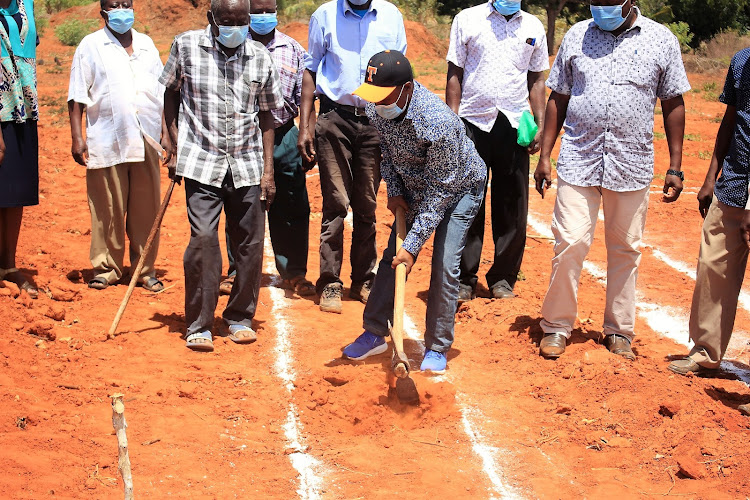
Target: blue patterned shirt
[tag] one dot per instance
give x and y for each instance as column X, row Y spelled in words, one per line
column 731, row 187
column 613, row 83
column 427, row 159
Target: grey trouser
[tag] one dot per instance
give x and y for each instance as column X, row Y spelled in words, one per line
column 202, row 260
column 348, row 149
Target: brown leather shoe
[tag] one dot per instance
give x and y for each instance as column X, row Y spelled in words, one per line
column 687, row 365
column 553, row 345
column 617, row 344
column 360, row 291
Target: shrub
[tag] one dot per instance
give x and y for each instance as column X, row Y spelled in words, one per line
column 52, row 6
column 682, row 31
column 72, row 31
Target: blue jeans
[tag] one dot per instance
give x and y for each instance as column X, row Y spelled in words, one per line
column 450, row 238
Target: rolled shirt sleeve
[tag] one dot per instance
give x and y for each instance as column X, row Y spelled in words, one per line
column 673, row 81
column 171, row 77
column 316, row 49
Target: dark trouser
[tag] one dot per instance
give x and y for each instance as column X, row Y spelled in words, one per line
column 289, row 215
column 202, row 260
column 442, row 298
column 348, row 149
column 509, row 164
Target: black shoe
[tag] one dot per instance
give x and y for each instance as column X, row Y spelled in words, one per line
column 617, row 344
column 465, row 293
column 502, row 290
column 553, row 345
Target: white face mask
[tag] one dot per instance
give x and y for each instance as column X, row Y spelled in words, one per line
column 392, row 111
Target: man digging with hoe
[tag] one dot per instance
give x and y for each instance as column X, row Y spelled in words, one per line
column 434, row 174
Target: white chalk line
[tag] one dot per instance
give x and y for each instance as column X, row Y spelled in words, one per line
column 668, row 322
column 310, row 469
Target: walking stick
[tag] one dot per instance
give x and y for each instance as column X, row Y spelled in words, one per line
column 146, row 250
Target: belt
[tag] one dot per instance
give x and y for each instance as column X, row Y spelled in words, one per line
column 283, row 129
column 327, row 104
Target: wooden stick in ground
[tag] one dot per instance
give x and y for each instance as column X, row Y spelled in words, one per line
column 123, row 462
column 146, row 250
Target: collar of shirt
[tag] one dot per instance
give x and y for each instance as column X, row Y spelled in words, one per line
column 345, row 7
column 111, row 39
column 209, row 41
column 515, row 18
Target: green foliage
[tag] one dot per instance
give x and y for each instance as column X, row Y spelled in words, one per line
column 72, row 31
column 52, row 6
column 658, row 10
column 682, row 31
column 707, row 18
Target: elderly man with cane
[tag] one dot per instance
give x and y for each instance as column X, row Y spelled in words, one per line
column 227, row 86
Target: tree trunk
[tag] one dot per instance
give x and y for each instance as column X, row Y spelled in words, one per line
column 554, row 7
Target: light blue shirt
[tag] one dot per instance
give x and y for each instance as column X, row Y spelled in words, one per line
column 340, row 44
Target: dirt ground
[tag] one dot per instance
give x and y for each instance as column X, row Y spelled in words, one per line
column 287, row 417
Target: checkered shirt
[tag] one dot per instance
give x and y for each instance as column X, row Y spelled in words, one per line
column 289, row 58
column 220, row 98
column 613, row 83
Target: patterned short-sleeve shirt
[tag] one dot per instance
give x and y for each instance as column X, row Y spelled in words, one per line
column 613, row 83
column 220, row 99
column 427, row 159
column 496, row 55
column 731, row 187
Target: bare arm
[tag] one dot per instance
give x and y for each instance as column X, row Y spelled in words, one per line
column 305, row 143
column 267, row 184
column 454, row 87
column 674, row 126
column 171, row 114
column 721, row 148
column 79, row 149
column 554, row 118
column 536, row 100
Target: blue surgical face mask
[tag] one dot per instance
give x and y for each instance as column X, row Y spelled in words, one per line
column 120, row 20
column 263, row 24
column 609, row 17
column 392, row 111
column 231, row 36
column 507, row 7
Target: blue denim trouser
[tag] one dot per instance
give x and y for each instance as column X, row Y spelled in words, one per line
column 450, row 238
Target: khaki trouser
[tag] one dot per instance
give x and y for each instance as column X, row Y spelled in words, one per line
column 573, row 224
column 721, row 269
column 123, row 199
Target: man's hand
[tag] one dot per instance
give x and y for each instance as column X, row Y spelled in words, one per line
column 705, row 197
column 543, row 175
column 307, row 165
column 403, row 257
column 745, row 228
column 672, row 188
column 169, row 159
column 396, row 202
column 306, row 146
column 267, row 189
column 80, row 151
column 536, row 144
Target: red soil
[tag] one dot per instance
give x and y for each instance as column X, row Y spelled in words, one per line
column 212, row 425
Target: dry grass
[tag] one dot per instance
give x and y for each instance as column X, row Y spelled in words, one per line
column 715, row 55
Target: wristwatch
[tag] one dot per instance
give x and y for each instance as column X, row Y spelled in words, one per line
column 678, row 173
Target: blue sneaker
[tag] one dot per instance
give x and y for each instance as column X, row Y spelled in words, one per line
column 434, row 362
column 368, row 344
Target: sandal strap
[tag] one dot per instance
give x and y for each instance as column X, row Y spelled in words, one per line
column 206, row 335
column 5, row 272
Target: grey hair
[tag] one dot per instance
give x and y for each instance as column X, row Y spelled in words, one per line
column 217, row 5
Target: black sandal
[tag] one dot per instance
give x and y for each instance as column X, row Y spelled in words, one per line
column 98, row 283
column 152, row 284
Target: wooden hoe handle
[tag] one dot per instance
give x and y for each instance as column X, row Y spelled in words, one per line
column 398, row 299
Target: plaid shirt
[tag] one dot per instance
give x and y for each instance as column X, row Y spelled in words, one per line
column 220, row 97
column 289, row 58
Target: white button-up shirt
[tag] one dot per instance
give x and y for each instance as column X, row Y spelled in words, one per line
column 122, row 95
column 613, row 83
column 496, row 56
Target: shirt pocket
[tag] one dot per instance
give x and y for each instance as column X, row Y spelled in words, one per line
column 248, row 95
column 522, row 51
